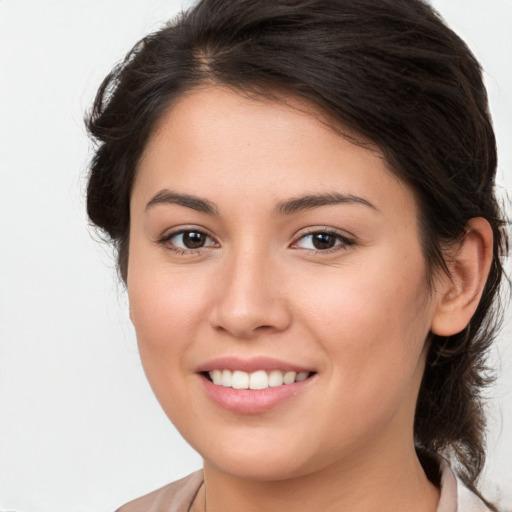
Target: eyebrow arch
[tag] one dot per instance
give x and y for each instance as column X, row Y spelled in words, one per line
column 300, row 204
column 187, row 200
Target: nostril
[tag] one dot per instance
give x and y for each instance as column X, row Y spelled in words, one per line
column 264, row 328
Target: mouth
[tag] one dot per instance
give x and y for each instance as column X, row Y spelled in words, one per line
column 254, row 386
column 257, row 380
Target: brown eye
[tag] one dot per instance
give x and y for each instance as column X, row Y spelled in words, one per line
column 189, row 240
column 193, row 239
column 323, row 240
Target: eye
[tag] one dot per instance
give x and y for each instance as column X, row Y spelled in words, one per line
column 189, row 240
column 322, row 241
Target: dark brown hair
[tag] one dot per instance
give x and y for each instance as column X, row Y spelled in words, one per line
column 390, row 71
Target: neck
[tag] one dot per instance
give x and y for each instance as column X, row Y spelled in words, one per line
column 391, row 482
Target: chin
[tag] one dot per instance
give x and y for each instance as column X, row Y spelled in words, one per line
column 258, row 469
column 260, row 461
column 246, row 456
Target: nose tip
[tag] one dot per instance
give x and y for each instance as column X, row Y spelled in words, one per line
column 250, row 303
column 248, row 323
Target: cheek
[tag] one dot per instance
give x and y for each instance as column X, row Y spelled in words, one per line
column 164, row 311
column 373, row 322
column 164, row 308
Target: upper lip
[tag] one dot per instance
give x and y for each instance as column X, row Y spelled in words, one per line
column 250, row 365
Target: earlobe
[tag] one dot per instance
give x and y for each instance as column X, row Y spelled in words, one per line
column 458, row 293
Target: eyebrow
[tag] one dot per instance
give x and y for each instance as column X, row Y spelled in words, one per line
column 186, row 200
column 288, row 207
column 308, row 202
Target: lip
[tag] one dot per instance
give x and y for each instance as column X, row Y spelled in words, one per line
column 249, row 401
column 250, row 365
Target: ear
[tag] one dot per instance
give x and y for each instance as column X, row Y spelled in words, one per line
column 459, row 292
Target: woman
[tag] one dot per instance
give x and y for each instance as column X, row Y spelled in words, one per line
column 302, row 198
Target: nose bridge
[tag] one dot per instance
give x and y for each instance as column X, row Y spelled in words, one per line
column 249, row 298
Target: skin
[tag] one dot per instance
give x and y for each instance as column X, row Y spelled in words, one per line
column 359, row 314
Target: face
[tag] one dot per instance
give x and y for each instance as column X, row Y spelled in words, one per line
column 268, row 252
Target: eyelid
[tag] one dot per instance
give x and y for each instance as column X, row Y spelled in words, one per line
column 179, row 228
column 346, row 239
column 172, row 232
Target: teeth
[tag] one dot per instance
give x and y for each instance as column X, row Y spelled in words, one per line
column 256, row 380
column 240, row 380
column 226, row 378
column 289, row 377
column 275, row 378
column 301, row 376
column 216, row 376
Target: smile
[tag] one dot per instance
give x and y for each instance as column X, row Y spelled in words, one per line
column 256, row 385
column 256, row 380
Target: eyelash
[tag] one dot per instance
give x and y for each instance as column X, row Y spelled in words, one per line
column 166, row 240
column 344, row 241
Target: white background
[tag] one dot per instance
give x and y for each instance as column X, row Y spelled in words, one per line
column 80, row 430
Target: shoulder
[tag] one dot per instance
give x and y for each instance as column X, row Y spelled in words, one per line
column 175, row 497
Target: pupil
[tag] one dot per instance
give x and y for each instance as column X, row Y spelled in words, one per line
column 193, row 239
column 323, row 241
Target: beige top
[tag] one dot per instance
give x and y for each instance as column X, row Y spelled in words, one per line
column 179, row 496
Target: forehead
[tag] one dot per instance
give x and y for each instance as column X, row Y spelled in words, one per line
column 217, row 141
column 212, row 106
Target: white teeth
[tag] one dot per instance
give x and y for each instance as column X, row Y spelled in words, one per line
column 289, row 377
column 216, row 376
column 275, row 378
column 255, row 380
column 240, row 380
column 226, row 378
column 301, row 376
column 258, row 380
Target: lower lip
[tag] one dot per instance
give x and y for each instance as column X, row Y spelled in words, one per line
column 253, row 401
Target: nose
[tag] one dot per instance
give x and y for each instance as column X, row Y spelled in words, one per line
column 250, row 298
